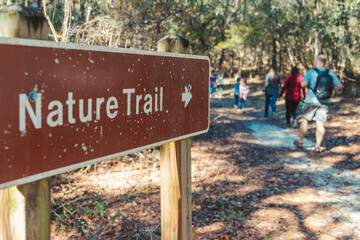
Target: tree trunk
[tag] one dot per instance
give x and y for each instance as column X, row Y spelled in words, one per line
column 65, row 24
column 316, row 37
column 273, row 55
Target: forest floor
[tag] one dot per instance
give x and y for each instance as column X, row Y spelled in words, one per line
column 248, row 182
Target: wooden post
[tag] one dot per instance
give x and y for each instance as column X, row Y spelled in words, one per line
column 24, row 209
column 175, row 170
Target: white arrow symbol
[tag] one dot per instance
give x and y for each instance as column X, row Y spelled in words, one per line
column 186, row 96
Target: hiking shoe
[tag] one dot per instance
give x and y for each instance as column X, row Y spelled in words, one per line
column 298, row 144
column 294, row 124
column 275, row 115
column 315, row 149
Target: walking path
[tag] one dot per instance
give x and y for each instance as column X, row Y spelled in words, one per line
column 270, row 135
column 334, row 186
column 302, row 194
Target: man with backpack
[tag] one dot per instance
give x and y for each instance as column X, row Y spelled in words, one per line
column 320, row 83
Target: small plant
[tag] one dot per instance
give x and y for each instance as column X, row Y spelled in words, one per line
column 76, row 216
column 101, row 207
column 220, row 202
column 231, row 215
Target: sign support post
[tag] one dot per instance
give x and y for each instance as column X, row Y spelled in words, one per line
column 175, row 170
column 24, row 209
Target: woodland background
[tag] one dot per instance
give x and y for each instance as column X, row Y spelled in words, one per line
column 241, row 36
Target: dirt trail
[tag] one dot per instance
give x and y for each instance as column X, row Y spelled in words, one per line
column 248, row 182
column 295, row 194
column 334, row 186
column 270, row 135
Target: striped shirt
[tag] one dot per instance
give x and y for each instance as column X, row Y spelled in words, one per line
column 293, row 88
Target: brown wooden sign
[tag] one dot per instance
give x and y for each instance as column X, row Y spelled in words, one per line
column 64, row 106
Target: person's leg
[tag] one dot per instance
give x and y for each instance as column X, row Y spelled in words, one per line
column 244, row 104
column 240, row 104
column 295, row 105
column 267, row 104
column 320, row 118
column 307, row 115
column 291, row 107
column 287, row 105
column 320, row 132
column 273, row 102
column 221, row 91
column 303, row 129
column 236, row 101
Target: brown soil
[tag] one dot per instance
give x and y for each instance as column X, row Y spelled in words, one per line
column 241, row 189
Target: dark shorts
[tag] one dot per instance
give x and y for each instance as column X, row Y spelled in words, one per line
column 315, row 112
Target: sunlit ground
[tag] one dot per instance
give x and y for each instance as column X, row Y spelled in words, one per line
column 244, row 185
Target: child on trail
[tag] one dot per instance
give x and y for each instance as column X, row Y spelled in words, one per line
column 244, row 92
column 271, row 89
column 212, row 82
column 293, row 89
column 220, row 83
column 236, row 87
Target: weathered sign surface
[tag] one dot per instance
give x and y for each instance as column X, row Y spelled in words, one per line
column 64, row 106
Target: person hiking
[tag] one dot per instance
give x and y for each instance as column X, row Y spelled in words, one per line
column 293, row 89
column 244, row 92
column 212, row 82
column 220, row 83
column 236, row 87
column 271, row 89
column 321, row 83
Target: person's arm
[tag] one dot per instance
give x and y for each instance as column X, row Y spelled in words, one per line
column 336, row 82
column 338, row 87
column 303, row 92
column 284, row 87
column 279, row 79
column 267, row 80
column 304, row 83
column 302, row 89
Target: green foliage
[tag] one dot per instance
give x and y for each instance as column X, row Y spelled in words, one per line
column 236, row 35
column 228, row 217
column 231, row 32
column 76, row 216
